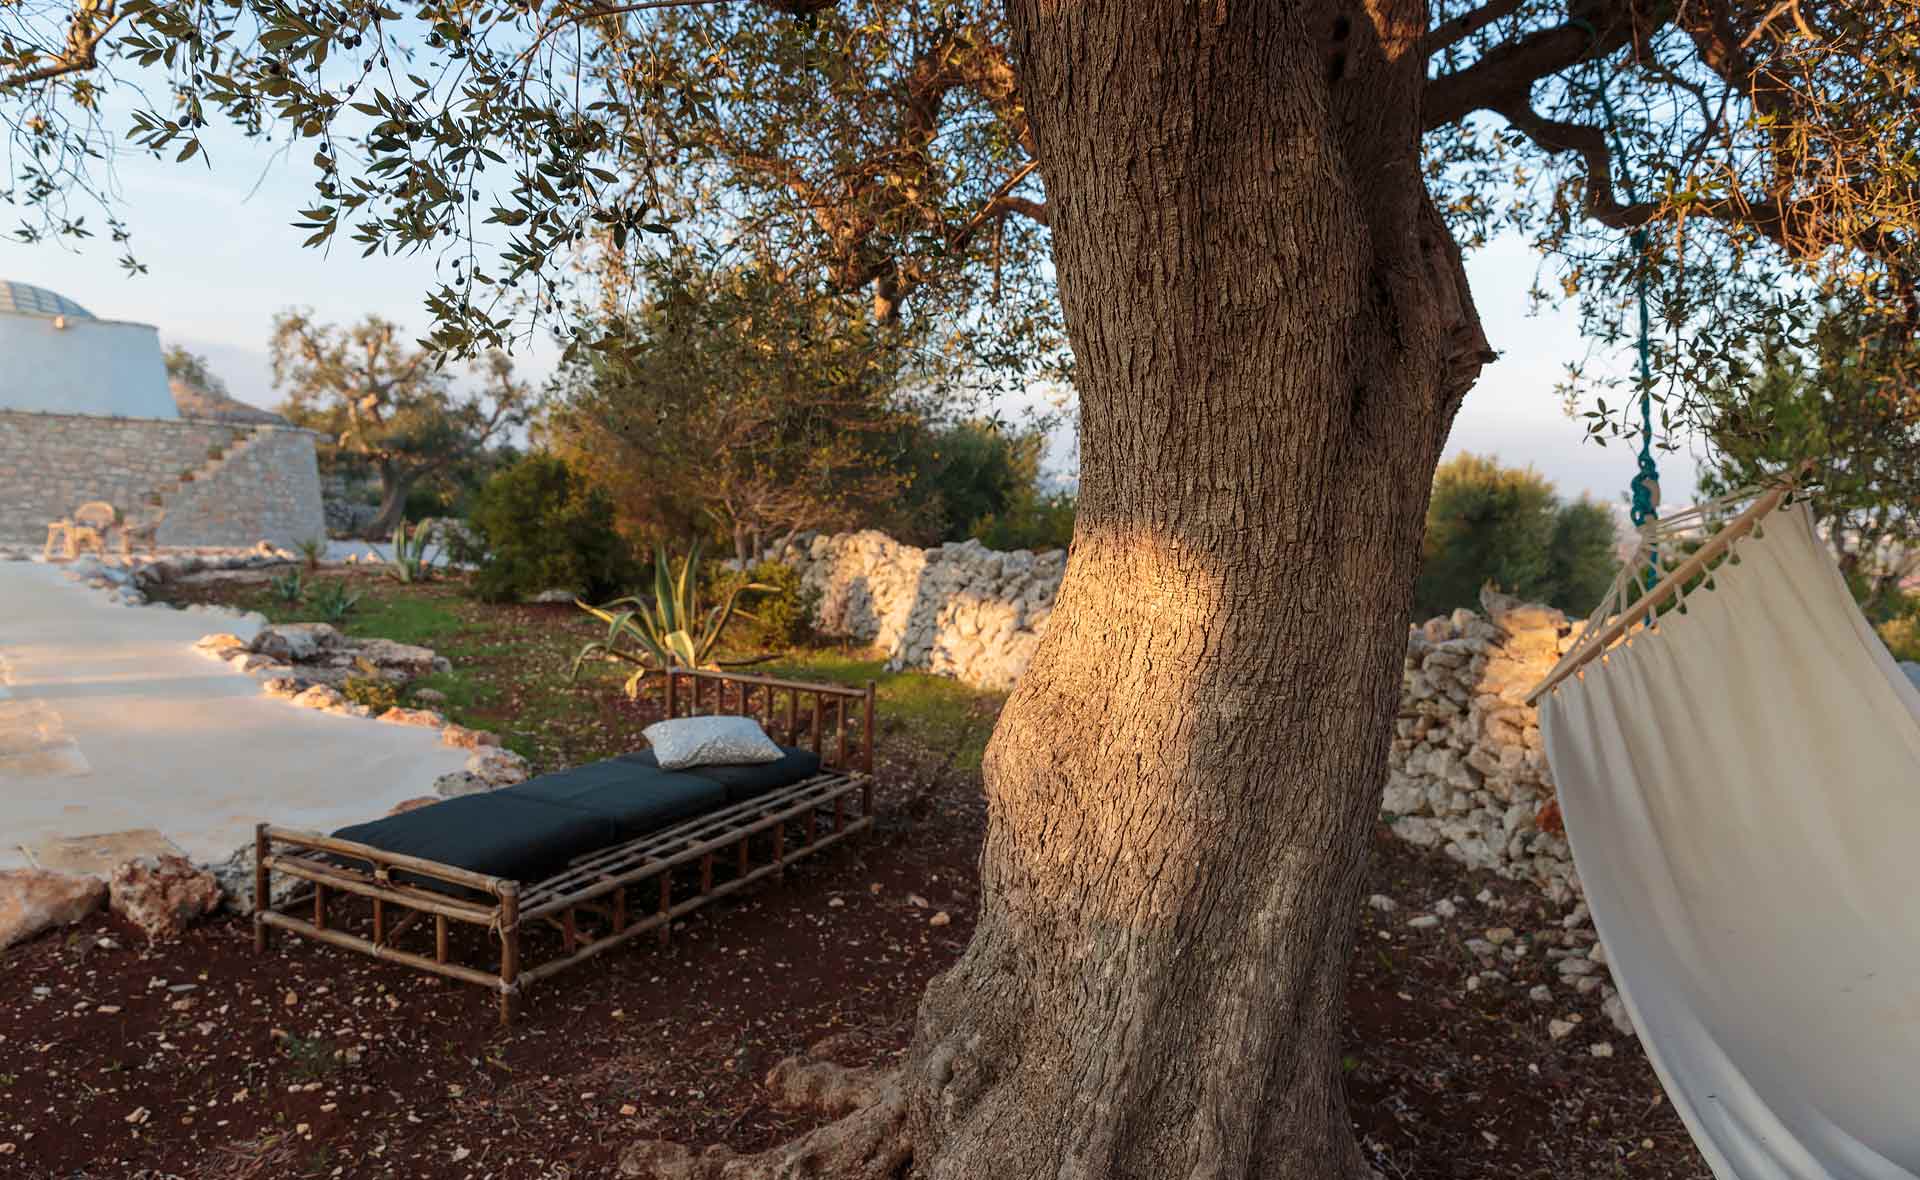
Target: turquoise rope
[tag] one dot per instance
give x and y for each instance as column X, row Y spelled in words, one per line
column 1646, row 481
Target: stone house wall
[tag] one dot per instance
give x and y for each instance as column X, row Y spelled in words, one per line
column 248, row 483
column 1467, row 772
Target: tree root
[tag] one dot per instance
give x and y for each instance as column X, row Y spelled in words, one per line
column 869, row 1142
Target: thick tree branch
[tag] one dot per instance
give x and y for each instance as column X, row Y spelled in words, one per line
column 1506, row 73
column 1591, row 145
column 1450, row 33
column 1801, row 227
column 91, row 23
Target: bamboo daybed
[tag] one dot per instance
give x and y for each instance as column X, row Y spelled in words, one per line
column 591, row 898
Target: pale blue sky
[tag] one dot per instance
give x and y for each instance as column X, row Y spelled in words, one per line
column 223, row 260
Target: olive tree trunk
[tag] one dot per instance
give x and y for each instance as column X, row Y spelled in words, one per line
column 396, row 482
column 1273, row 332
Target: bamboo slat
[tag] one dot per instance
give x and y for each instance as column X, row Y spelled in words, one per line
column 354, row 942
column 866, row 732
column 820, row 687
column 344, row 880
column 656, row 920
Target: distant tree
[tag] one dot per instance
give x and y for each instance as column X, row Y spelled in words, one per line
column 1032, row 521
column 1505, row 525
column 191, row 369
column 766, row 406
column 1845, row 400
column 1583, row 556
column 386, row 405
column 964, row 473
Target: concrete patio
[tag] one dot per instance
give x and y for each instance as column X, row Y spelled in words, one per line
column 111, row 723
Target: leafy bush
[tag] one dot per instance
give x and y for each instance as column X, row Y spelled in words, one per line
column 332, row 601
column 370, row 688
column 311, row 551
column 541, row 526
column 786, row 609
column 1030, row 522
column 964, row 474
column 671, row 630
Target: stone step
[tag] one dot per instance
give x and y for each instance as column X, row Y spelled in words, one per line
column 243, row 438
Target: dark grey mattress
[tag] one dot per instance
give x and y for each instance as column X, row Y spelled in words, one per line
column 531, row 831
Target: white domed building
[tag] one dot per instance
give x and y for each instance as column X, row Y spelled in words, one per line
column 86, row 414
column 62, row 359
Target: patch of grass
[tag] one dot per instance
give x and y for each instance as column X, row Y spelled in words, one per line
column 403, row 618
column 941, row 713
column 510, row 668
column 463, row 694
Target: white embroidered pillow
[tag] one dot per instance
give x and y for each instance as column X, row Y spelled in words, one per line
column 710, row 741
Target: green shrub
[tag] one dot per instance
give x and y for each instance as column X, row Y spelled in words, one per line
column 1506, row 525
column 785, row 611
column 1030, row 522
column 541, row 526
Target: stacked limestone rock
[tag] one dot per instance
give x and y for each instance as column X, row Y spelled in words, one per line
column 1467, row 771
column 127, row 580
column 306, row 654
column 960, row 610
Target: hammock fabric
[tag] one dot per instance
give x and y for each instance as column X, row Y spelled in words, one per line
column 1741, row 786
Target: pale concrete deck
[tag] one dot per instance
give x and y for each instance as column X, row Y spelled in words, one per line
column 109, row 721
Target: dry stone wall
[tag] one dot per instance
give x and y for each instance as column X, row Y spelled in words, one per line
column 959, row 610
column 1467, row 770
column 1468, row 773
column 251, row 483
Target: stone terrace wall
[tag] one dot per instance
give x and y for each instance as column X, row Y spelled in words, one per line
column 959, row 610
column 50, row 464
column 1467, row 772
column 267, row 491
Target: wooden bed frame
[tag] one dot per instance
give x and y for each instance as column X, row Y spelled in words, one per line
column 601, row 887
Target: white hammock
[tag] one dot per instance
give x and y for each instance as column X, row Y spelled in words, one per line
column 1741, row 786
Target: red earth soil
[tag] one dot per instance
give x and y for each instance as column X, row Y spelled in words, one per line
column 198, row 1059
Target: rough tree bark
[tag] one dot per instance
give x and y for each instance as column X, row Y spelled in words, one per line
column 1273, row 332
column 395, row 484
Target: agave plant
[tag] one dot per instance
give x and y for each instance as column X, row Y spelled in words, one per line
column 671, row 630
column 332, row 601
column 289, row 587
column 411, row 562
